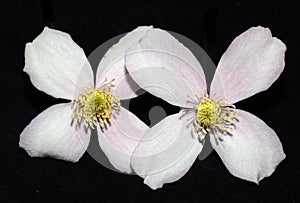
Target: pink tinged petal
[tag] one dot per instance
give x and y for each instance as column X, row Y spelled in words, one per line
column 54, row 62
column 160, row 50
column 50, row 134
column 253, row 61
column 112, row 64
column 164, row 84
column 120, row 138
column 253, row 151
column 166, row 152
column 175, row 172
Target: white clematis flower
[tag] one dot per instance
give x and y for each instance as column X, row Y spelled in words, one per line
column 58, row 66
column 248, row 147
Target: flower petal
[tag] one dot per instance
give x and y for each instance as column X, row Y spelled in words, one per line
column 51, row 134
column 253, row 61
column 166, row 152
column 54, row 62
column 253, row 151
column 120, row 138
column 159, row 50
column 112, row 64
column 164, row 84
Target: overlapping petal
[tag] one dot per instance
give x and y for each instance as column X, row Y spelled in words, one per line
column 176, row 171
column 253, row 151
column 54, row 61
column 159, row 54
column 164, row 84
column 51, row 134
column 112, row 64
column 120, row 138
column 167, row 151
column 253, row 61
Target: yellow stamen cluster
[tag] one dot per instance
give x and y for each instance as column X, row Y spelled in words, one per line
column 213, row 115
column 94, row 106
column 208, row 112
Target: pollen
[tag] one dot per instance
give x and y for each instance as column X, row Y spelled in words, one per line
column 208, row 112
column 213, row 115
column 95, row 106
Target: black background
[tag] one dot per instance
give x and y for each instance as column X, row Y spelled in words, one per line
column 90, row 23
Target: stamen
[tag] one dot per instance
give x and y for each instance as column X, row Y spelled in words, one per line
column 213, row 115
column 94, row 106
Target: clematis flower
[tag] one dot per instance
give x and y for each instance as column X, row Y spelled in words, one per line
column 248, row 147
column 58, row 66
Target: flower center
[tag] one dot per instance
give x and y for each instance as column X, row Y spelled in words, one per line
column 214, row 115
column 94, row 106
column 208, row 112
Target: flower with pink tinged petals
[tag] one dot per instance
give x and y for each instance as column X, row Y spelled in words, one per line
column 58, row 66
column 248, row 147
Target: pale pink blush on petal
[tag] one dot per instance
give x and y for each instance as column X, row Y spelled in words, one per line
column 51, row 134
column 176, row 171
column 159, row 49
column 54, row 62
column 251, row 64
column 124, row 86
column 166, row 152
column 112, row 64
column 253, row 151
column 120, row 138
column 163, row 83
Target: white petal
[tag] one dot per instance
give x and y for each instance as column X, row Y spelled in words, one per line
column 158, row 50
column 120, row 138
column 54, row 63
column 50, row 134
column 165, row 84
column 112, row 64
column 253, row 151
column 253, row 61
column 166, row 152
